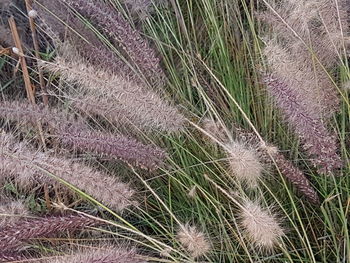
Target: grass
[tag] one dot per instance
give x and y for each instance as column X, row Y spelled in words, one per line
column 201, row 45
column 211, row 51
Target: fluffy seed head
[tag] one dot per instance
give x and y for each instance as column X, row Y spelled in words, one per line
column 109, row 20
column 320, row 144
column 259, row 226
column 194, row 241
column 14, row 236
column 126, row 103
column 193, row 192
column 108, row 254
column 20, row 162
column 244, row 163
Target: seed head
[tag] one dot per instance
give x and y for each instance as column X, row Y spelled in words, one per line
column 259, row 226
column 244, row 163
column 194, row 241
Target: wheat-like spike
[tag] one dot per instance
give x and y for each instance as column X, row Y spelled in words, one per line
column 297, row 178
column 106, row 254
column 301, row 74
column 116, row 26
column 69, row 27
column 24, row 164
column 121, row 147
column 193, row 240
column 320, row 145
column 31, row 114
column 75, row 134
column 14, row 236
column 127, row 101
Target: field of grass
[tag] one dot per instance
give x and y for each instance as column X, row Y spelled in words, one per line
column 212, row 55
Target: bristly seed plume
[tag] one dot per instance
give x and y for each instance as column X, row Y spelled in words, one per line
column 117, row 27
column 291, row 173
column 106, row 254
column 244, row 163
column 29, row 167
column 260, row 226
column 127, row 103
column 74, row 133
column 118, row 147
column 320, row 145
column 14, row 236
column 193, row 240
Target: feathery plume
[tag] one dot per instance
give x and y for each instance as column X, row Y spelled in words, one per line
column 12, row 211
column 286, row 167
column 322, row 25
column 108, row 254
column 259, row 226
column 290, row 172
column 244, row 163
column 59, row 18
column 128, row 102
column 320, row 145
column 297, row 178
column 14, row 236
column 143, row 8
column 126, row 149
column 193, row 192
column 76, row 134
column 302, row 75
column 194, row 241
column 26, row 113
column 334, row 17
column 25, row 165
column 116, row 26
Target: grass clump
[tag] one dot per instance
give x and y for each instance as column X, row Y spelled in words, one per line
column 229, row 116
